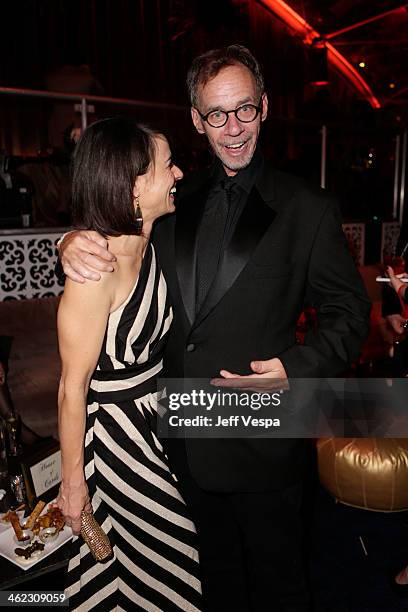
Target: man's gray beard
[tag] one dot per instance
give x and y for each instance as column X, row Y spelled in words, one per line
column 238, row 166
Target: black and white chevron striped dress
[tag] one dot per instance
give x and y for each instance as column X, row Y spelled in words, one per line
column 134, row 495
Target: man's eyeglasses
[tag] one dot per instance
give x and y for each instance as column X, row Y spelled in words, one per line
column 245, row 113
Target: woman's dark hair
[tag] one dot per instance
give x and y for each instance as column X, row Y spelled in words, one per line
column 107, row 160
column 205, row 67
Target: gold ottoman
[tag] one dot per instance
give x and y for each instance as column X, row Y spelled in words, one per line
column 368, row 473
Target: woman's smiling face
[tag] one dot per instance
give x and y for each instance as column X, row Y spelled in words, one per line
column 156, row 189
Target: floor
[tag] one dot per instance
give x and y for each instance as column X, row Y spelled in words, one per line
column 354, row 557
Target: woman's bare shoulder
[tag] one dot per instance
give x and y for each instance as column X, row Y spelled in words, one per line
column 90, row 291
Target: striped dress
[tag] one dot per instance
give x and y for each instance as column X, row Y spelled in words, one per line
column 134, row 495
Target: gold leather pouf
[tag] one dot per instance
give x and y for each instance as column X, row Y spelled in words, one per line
column 368, row 473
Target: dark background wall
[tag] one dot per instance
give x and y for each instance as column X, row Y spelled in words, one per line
column 141, row 49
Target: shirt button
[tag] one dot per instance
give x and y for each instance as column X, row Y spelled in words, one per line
column 190, row 348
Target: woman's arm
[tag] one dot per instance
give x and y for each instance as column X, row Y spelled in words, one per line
column 82, row 320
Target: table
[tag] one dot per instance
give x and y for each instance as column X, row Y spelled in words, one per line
column 12, row 576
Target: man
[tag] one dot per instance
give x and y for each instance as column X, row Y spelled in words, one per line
column 252, row 246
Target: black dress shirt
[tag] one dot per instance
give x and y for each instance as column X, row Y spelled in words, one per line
column 226, row 200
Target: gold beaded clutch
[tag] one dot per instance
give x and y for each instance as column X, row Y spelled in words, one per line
column 95, row 537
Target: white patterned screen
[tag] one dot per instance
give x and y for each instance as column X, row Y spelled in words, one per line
column 27, row 266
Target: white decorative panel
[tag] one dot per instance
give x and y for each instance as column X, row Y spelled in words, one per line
column 389, row 237
column 27, row 266
column 355, row 235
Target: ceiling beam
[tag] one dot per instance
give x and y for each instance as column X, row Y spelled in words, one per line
column 360, row 24
column 367, row 41
column 310, row 36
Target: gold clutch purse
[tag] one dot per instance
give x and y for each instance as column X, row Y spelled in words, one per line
column 95, row 537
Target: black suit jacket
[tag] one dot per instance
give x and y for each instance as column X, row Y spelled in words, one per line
column 288, row 250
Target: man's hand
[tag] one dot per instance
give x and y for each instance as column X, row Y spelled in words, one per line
column 269, row 375
column 83, row 253
column 396, row 321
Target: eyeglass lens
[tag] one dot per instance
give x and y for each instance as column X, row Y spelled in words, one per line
column 245, row 113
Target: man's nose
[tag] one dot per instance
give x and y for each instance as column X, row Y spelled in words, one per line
column 233, row 126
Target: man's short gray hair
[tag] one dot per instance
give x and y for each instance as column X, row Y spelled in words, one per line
column 206, row 66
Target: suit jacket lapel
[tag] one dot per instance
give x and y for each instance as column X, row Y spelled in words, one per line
column 251, row 226
column 188, row 218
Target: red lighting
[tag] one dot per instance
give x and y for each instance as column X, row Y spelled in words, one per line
column 308, row 34
column 339, row 61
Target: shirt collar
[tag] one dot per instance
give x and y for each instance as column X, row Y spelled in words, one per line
column 244, row 178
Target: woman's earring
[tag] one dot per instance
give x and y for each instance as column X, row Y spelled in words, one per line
column 139, row 217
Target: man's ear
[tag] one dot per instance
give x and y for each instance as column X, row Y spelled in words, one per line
column 198, row 122
column 264, row 105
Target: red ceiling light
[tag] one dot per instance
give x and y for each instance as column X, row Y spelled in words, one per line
column 309, row 35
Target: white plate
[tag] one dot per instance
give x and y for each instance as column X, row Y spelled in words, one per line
column 7, row 546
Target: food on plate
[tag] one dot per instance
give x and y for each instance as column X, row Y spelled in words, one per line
column 48, row 535
column 15, row 523
column 52, row 518
column 27, row 536
column 45, row 527
column 27, row 553
column 35, row 514
column 6, row 517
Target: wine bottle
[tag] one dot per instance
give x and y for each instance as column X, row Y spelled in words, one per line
column 26, row 207
column 4, row 474
column 3, row 451
column 17, row 485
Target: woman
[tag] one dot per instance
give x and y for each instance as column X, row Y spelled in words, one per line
column 111, row 336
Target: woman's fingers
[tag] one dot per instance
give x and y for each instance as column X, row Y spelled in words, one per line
column 76, row 525
column 88, row 508
column 76, row 521
column 73, row 520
